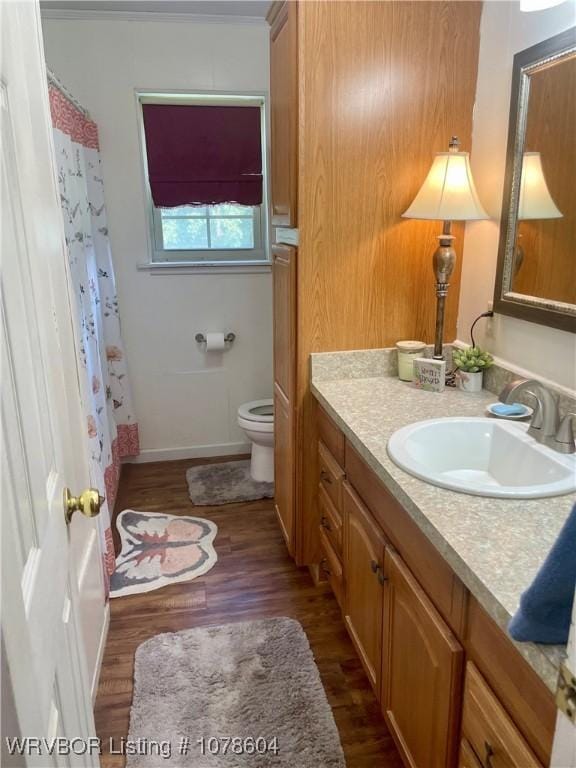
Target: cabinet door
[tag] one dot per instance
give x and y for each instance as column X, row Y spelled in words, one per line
column 284, row 115
column 488, row 728
column 468, row 757
column 284, row 280
column 363, row 579
column 284, row 465
column 421, row 672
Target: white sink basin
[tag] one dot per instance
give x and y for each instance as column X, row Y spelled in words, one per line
column 484, row 457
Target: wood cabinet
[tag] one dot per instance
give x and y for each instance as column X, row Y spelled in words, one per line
column 283, row 458
column 468, row 757
column 284, row 322
column 364, row 579
column 488, row 729
column 284, row 112
column 284, row 264
column 421, row 672
column 331, row 475
column 414, row 626
column 331, row 567
column 330, row 173
column 330, row 521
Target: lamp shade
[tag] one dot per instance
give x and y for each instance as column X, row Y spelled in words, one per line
column 448, row 192
column 535, row 199
column 538, row 5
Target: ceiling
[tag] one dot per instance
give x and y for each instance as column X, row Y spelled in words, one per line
column 246, row 9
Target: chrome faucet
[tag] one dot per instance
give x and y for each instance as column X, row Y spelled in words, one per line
column 545, row 426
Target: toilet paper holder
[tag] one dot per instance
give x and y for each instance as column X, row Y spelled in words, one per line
column 201, row 338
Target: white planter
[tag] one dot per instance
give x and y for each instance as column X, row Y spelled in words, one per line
column 470, row 382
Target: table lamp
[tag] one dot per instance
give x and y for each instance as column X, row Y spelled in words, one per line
column 448, row 194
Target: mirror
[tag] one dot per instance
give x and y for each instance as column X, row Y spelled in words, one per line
column 536, row 276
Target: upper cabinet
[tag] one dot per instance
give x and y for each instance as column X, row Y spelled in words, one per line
column 284, row 112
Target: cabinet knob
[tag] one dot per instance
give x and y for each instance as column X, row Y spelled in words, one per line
column 324, row 567
column 488, row 754
column 325, row 524
column 377, row 569
column 325, row 477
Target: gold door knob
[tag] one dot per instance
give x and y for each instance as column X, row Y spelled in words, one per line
column 89, row 503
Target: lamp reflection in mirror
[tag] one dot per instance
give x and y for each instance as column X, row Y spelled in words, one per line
column 448, row 194
column 535, row 200
column 538, row 5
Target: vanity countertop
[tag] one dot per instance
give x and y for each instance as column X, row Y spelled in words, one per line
column 495, row 546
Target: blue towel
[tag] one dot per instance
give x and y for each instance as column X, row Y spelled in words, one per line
column 546, row 606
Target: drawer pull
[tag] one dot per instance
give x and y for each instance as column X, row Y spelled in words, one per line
column 377, row 569
column 489, row 754
column 325, row 477
column 324, row 567
column 325, row 524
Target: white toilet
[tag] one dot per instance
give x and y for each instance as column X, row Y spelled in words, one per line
column 257, row 421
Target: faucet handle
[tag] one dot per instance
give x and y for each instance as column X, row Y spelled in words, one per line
column 565, row 434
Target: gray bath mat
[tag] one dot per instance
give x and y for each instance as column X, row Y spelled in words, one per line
column 226, row 483
column 236, row 696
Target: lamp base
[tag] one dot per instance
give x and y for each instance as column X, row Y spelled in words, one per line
column 444, row 260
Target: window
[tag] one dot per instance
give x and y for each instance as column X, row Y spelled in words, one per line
column 209, row 232
column 205, row 174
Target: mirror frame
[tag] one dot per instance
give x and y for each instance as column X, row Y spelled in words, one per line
column 506, row 302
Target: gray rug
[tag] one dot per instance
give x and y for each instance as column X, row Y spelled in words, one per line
column 255, row 682
column 225, row 483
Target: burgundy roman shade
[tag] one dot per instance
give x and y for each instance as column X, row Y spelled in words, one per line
column 201, row 155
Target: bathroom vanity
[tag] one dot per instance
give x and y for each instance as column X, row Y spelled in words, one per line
column 428, row 578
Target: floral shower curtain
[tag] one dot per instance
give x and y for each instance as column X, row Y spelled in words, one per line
column 111, row 427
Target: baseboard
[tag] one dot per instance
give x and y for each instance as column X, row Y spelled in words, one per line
column 101, row 647
column 192, row 452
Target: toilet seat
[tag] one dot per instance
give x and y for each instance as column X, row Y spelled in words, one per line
column 257, row 411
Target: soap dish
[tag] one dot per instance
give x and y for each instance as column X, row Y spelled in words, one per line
column 527, row 411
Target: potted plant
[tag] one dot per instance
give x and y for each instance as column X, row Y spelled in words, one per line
column 471, row 364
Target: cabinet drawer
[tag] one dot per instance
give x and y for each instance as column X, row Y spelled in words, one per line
column 467, row 757
column 332, row 568
column 330, row 520
column 331, row 436
column 331, row 475
column 517, row 687
column 489, row 730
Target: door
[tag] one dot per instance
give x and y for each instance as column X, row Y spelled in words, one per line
column 363, row 579
column 564, row 749
column 43, row 449
column 284, row 288
column 284, row 466
column 421, row 672
column 284, row 112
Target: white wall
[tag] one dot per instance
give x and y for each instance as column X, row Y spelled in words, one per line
column 547, row 352
column 185, row 400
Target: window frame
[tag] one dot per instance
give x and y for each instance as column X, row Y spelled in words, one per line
column 259, row 256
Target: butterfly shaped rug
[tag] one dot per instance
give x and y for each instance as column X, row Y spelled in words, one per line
column 159, row 549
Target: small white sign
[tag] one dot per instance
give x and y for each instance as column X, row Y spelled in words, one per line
column 429, row 375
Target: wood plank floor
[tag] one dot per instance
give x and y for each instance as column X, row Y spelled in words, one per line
column 254, row 578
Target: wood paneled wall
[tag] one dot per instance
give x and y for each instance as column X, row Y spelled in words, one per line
column 382, row 87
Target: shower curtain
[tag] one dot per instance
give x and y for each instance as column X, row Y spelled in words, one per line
column 111, row 427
